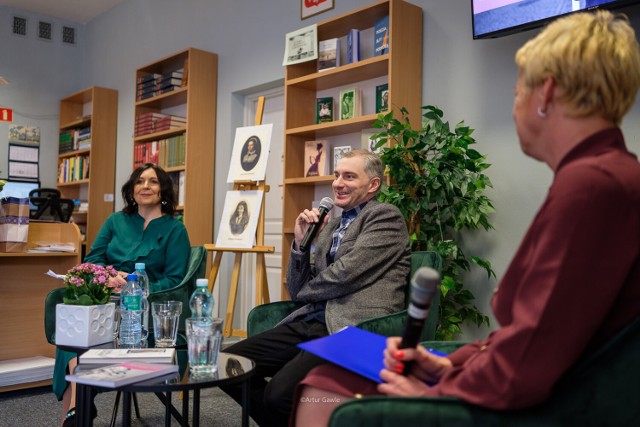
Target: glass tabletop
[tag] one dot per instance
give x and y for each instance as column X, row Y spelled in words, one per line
column 231, row 369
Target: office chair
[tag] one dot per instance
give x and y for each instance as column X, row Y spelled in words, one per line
column 49, row 200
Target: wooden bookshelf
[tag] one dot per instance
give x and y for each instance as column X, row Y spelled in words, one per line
column 401, row 68
column 94, row 108
column 195, row 100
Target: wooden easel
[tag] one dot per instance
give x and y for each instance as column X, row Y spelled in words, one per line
column 262, row 287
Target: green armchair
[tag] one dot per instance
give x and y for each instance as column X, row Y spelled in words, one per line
column 266, row 316
column 195, row 270
column 600, row 390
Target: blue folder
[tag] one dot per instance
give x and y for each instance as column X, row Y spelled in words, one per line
column 354, row 349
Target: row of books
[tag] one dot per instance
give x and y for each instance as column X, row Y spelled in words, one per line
column 74, row 139
column 316, row 157
column 155, row 84
column 166, row 153
column 350, row 104
column 147, row 123
column 146, row 152
column 329, row 50
column 73, row 169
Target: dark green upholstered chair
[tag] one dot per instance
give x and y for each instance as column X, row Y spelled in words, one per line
column 600, row 390
column 266, row 316
column 195, row 270
column 182, row 292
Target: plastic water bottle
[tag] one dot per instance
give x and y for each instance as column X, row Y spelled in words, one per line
column 130, row 313
column 201, row 301
column 143, row 279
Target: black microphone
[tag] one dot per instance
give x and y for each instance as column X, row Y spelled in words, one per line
column 424, row 285
column 326, row 204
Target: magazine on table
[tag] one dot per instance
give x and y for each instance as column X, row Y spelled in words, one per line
column 121, row 374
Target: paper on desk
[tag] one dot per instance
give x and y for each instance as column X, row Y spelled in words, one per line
column 53, row 247
column 54, row 275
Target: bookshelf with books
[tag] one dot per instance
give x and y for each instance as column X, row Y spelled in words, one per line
column 174, row 127
column 87, row 156
column 400, row 68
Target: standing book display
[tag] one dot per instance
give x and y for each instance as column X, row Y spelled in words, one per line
column 235, row 235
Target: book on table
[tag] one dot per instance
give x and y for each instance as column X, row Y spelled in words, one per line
column 120, row 374
column 104, row 356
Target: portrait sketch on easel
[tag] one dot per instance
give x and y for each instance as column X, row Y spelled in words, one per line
column 239, row 219
column 250, row 153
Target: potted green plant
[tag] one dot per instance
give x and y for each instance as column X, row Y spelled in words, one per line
column 437, row 182
column 87, row 316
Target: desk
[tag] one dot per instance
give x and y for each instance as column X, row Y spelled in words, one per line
column 24, row 286
column 181, row 382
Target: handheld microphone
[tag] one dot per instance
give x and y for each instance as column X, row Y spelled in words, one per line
column 424, row 285
column 326, row 204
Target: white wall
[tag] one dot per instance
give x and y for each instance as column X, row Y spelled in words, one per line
column 470, row 80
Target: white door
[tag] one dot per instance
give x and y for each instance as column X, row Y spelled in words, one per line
column 273, row 113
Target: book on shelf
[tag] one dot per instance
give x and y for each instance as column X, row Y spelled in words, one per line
column 172, row 151
column 177, row 180
column 328, row 54
column 338, row 153
column 120, row 374
column 382, row 98
column 368, row 142
column 350, row 103
column 104, row 356
column 353, row 46
column 315, row 158
column 324, row 109
column 381, row 36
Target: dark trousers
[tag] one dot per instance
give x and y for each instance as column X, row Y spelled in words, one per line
column 277, row 357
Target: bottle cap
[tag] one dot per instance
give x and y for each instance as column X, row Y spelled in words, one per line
column 139, row 265
column 132, row 276
column 202, row 282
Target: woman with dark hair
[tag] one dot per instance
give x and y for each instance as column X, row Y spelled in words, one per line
column 144, row 231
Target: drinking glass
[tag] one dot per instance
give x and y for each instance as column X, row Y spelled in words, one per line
column 166, row 315
column 204, row 337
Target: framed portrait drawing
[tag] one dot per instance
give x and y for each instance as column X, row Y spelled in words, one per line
column 250, row 153
column 309, row 8
column 239, row 219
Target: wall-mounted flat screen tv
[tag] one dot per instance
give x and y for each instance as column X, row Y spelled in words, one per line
column 496, row 18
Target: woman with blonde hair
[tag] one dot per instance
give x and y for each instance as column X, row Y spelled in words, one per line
column 573, row 283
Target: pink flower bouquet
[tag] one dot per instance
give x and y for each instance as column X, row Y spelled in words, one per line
column 88, row 284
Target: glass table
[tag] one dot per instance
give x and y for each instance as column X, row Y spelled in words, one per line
column 232, row 369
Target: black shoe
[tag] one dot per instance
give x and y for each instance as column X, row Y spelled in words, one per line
column 70, row 419
column 234, row 368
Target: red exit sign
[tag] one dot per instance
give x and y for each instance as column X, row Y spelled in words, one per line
column 6, row 114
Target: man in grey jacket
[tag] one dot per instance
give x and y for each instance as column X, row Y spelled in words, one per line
column 359, row 271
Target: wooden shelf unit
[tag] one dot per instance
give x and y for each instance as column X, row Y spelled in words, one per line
column 24, row 289
column 97, row 108
column 401, row 68
column 196, row 101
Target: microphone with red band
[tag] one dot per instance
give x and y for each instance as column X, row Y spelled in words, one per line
column 326, row 204
column 424, row 285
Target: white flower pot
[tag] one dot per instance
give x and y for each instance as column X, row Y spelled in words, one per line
column 84, row 325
